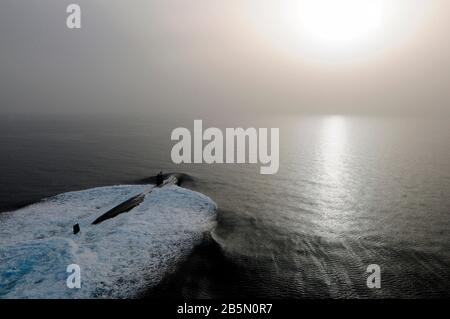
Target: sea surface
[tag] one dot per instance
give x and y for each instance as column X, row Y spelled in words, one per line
column 350, row 192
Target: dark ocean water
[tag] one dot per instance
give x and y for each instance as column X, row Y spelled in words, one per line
column 350, row 192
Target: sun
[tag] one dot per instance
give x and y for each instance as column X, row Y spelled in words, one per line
column 340, row 22
column 324, row 30
column 337, row 32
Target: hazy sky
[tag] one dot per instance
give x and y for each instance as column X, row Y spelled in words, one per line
column 229, row 55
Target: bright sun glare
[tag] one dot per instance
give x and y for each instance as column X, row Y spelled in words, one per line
column 325, row 29
column 342, row 22
column 335, row 31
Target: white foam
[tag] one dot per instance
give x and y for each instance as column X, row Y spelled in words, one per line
column 119, row 258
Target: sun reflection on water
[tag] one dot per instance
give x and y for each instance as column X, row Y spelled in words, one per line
column 333, row 147
column 332, row 199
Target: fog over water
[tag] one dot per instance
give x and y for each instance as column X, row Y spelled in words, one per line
column 212, row 57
